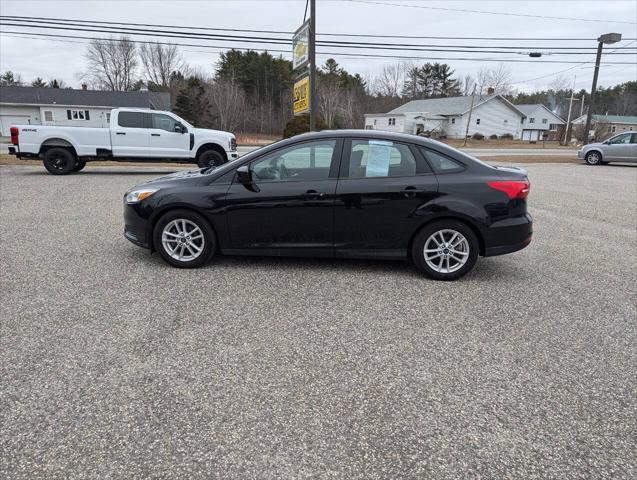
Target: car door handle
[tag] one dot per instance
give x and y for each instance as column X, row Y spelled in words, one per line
column 121, row 133
column 155, row 135
column 410, row 192
column 313, row 194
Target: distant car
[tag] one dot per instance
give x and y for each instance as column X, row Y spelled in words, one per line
column 133, row 135
column 620, row 148
column 348, row 193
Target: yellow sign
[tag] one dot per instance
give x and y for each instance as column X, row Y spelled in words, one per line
column 302, row 96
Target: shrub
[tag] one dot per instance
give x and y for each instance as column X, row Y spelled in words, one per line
column 477, row 136
column 493, row 137
column 506, row 136
column 301, row 124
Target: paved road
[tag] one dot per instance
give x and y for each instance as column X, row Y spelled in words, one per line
column 114, row 365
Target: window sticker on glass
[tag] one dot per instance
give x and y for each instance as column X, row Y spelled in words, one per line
column 378, row 158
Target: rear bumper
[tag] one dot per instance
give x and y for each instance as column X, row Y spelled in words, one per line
column 14, row 151
column 508, row 236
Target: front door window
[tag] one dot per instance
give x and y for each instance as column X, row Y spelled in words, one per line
column 306, row 162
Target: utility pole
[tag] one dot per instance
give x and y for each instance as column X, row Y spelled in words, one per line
column 567, row 137
column 607, row 38
column 312, row 58
column 473, row 94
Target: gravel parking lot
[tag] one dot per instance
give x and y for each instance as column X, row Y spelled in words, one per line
column 114, row 365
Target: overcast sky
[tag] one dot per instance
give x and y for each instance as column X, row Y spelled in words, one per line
column 63, row 59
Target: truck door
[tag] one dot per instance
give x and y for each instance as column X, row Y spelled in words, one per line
column 168, row 138
column 130, row 136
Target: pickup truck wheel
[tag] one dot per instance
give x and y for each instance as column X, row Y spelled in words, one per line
column 79, row 165
column 59, row 161
column 209, row 158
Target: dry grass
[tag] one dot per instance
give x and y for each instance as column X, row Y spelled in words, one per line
column 530, row 159
column 256, row 138
column 457, row 143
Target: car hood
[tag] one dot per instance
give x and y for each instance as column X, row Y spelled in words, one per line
column 207, row 132
column 174, row 179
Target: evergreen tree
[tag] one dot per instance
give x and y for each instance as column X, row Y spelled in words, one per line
column 38, row 82
column 191, row 102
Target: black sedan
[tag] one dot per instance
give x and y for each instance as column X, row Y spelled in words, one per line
column 348, row 193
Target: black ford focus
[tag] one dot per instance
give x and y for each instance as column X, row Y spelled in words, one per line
column 347, row 193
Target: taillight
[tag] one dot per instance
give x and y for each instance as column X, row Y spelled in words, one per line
column 14, row 135
column 513, row 188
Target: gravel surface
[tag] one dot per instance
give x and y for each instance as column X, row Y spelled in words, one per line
column 115, row 365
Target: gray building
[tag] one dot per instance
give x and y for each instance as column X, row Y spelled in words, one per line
column 65, row 106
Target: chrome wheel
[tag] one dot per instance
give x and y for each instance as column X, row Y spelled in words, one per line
column 446, row 251
column 183, row 240
column 593, row 158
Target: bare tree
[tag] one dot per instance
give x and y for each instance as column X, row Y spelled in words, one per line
column 499, row 78
column 466, row 85
column 330, row 98
column 112, row 63
column 159, row 62
column 228, row 104
column 389, row 82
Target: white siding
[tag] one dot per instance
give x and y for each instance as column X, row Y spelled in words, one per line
column 97, row 116
column 455, row 130
column 495, row 118
column 12, row 115
column 382, row 123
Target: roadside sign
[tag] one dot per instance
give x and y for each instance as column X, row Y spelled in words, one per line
column 302, row 95
column 301, row 46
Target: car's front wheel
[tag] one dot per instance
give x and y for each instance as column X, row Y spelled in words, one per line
column 593, row 158
column 184, row 239
column 445, row 250
column 209, row 158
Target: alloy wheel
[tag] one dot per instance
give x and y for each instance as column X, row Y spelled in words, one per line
column 446, row 251
column 183, row 240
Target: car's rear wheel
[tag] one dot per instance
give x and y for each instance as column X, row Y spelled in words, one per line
column 79, row 165
column 593, row 158
column 209, row 158
column 445, row 250
column 184, row 239
column 59, row 161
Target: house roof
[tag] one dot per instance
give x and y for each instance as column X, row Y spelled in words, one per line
column 449, row 105
column 629, row 120
column 530, row 109
column 88, row 98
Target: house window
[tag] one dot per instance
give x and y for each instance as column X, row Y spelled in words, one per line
column 48, row 116
column 374, row 121
column 608, row 131
column 523, row 120
column 108, row 117
column 613, row 129
column 453, row 120
column 531, row 120
column 477, row 121
column 392, row 121
column 506, row 121
column 544, row 120
column 78, row 115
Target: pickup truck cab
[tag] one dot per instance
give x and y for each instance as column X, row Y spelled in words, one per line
column 133, row 135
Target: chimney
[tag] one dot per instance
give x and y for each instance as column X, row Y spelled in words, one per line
column 84, row 86
column 490, row 91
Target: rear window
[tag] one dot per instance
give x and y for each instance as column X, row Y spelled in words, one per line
column 132, row 119
column 441, row 163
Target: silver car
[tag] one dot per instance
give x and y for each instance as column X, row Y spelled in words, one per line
column 620, row 148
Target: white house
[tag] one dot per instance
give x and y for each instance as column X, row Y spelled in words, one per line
column 539, row 121
column 612, row 124
column 62, row 106
column 491, row 115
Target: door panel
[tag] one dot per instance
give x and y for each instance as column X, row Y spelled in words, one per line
column 379, row 198
column 619, row 149
column 289, row 207
column 130, row 137
column 164, row 141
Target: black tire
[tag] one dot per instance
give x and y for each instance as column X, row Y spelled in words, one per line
column 470, row 246
column 593, row 158
column 209, row 158
column 59, row 161
column 79, row 165
column 209, row 244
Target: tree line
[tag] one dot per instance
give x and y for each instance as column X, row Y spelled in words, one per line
column 249, row 91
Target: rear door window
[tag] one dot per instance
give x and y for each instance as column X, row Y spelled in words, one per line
column 381, row 158
column 132, row 119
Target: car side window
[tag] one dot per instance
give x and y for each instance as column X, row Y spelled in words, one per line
column 132, row 119
column 621, row 139
column 163, row 122
column 380, row 158
column 634, row 140
column 441, row 163
column 304, row 162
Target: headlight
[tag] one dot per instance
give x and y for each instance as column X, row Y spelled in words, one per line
column 137, row 196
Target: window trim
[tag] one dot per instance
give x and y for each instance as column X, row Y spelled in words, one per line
column 347, row 152
column 334, row 166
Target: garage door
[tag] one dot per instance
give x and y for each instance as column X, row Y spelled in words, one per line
column 7, row 120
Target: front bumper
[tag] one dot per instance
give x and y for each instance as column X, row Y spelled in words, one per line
column 580, row 154
column 508, row 235
column 135, row 227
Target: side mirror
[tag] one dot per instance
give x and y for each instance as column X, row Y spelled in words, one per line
column 243, row 175
column 179, row 128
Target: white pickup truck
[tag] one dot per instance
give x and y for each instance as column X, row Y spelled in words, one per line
column 133, row 135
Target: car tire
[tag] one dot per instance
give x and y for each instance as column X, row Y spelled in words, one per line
column 59, row 161
column 209, row 158
column 79, row 165
column 593, row 158
column 184, row 239
column 445, row 250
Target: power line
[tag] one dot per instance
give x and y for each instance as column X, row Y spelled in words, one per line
column 281, row 32
column 524, row 15
column 335, row 54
